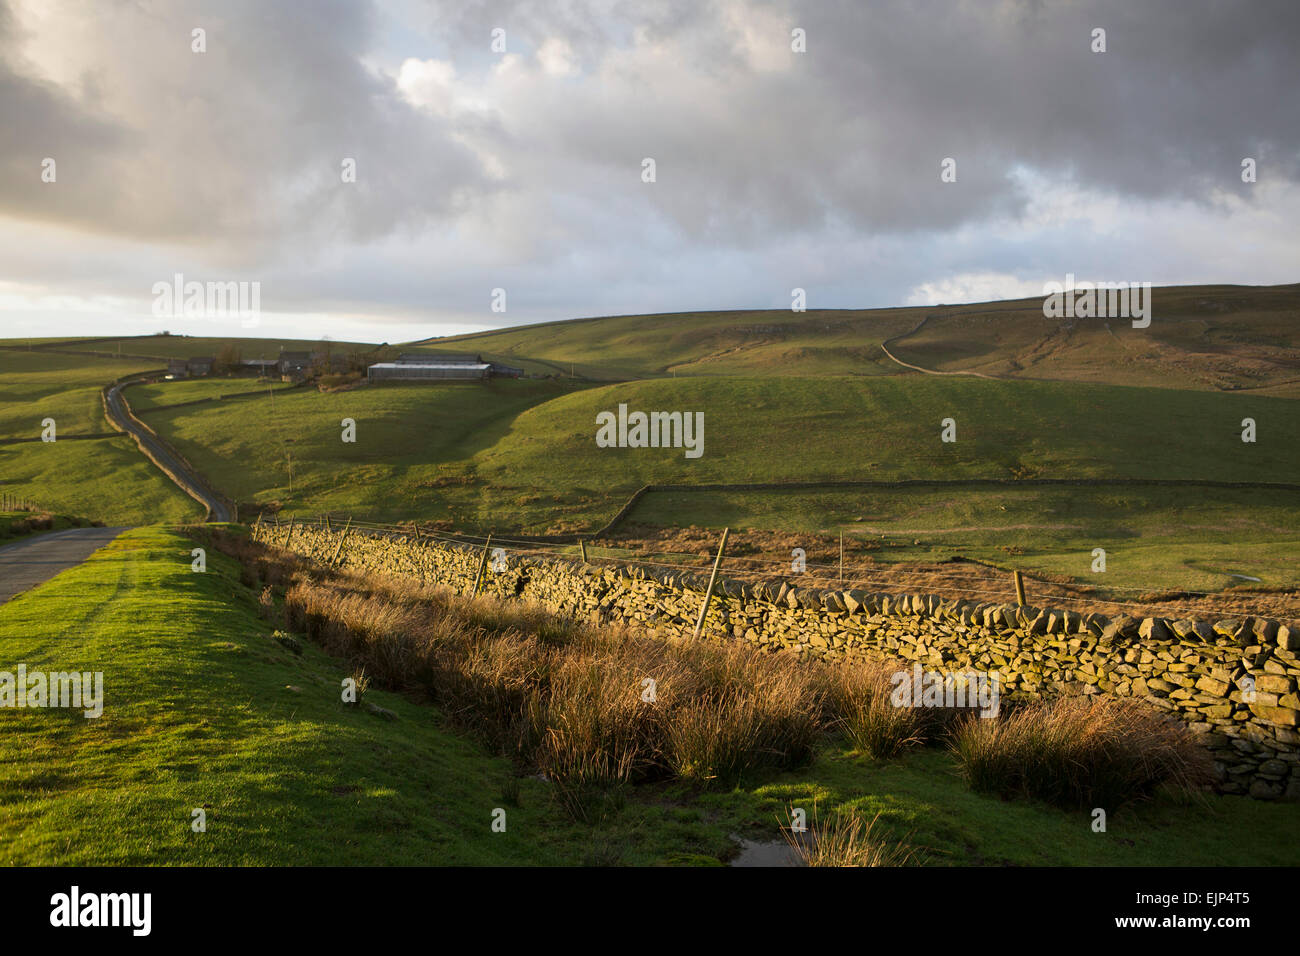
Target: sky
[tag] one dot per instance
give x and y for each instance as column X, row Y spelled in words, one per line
column 500, row 148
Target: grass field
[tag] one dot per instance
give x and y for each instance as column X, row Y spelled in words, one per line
column 203, row 709
column 35, row 386
column 408, row 438
column 101, row 478
column 522, row 455
column 153, row 395
column 192, row 346
column 1154, row 537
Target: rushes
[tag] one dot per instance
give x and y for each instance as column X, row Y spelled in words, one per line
column 849, row 839
column 574, row 702
column 862, row 697
column 872, row 724
column 1079, row 753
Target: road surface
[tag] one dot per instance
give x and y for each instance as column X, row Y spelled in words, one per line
column 27, row 563
column 180, row 472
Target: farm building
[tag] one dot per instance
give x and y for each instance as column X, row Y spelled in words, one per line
column 186, row 368
column 261, row 365
column 331, row 362
column 294, row 364
column 428, row 372
column 439, row 358
column 456, row 359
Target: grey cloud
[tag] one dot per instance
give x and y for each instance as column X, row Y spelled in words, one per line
column 240, row 145
column 822, row 170
column 858, row 127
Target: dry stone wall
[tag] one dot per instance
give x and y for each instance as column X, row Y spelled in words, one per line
column 1234, row 682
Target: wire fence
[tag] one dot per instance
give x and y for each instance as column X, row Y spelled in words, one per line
column 972, row 580
column 10, row 501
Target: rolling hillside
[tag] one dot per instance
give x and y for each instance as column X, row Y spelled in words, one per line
column 521, row 456
column 786, row 397
column 1201, row 337
column 91, row 469
column 512, row 453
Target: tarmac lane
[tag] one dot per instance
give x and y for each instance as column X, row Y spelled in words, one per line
column 32, row 561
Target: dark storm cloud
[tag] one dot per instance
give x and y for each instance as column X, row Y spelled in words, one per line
column 241, row 143
column 775, row 168
column 856, row 128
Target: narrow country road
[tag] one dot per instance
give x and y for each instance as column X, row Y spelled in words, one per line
column 176, row 470
column 25, row 564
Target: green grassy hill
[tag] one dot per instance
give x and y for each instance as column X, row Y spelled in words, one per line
column 466, row 443
column 101, row 477
column 1203, row 337
column 36, row 385
column 521, row 455
column 144, row 398
column 203, row 709
column 700, row 343
column 410, row 440
column 165, row 347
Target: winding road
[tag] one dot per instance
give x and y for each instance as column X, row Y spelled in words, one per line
column 32, row 561
column 162, row 456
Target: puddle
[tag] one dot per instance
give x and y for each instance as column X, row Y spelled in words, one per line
column 765, row 853
column 1244, row 577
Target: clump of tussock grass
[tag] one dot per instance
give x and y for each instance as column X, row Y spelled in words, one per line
column 266, row 604
column 848, row 839
column 862, row 700
column 1080, row 753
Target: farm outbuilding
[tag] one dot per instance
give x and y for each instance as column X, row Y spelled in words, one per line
column 459, row 359
column 293, row 366
column 428, row 372
column 439, row 358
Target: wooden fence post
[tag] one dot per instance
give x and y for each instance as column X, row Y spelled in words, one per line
column 1020, row 588
column 713, row 578
column 343, row 537
column 289, row 535
column 482, row 566
column 841, row 559
column 582, row 543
